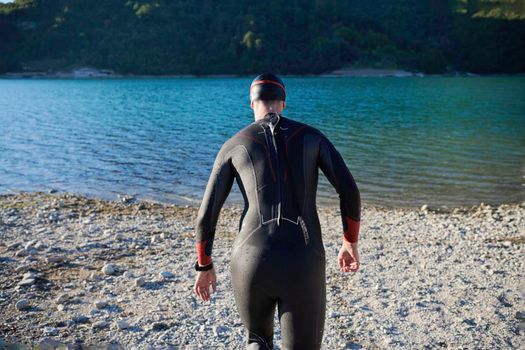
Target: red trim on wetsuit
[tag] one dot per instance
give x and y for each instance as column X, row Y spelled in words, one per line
column 267, row 82
column 352, row 230
column 202, row 258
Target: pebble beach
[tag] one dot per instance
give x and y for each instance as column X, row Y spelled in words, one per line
column 78, row 272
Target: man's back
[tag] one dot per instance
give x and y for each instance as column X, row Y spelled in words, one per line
column 275, row 162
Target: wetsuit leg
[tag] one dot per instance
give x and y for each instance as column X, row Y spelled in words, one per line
column 257, row 314
column 302, row 307
column 256, row 305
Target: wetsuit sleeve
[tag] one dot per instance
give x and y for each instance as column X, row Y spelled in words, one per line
column 217, row 190
column 335, row 169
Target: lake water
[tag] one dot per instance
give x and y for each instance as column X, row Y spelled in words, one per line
column 442, row 141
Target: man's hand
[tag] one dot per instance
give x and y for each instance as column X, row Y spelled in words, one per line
column 348, row 257
column 202, row 283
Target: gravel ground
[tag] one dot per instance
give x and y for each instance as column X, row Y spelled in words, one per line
column 118, row 274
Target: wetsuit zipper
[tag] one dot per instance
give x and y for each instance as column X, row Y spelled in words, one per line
column 272, row 128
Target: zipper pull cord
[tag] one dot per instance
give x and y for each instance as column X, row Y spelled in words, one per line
column 272, row 129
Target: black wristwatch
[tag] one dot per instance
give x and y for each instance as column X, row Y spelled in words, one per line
column 203, row 268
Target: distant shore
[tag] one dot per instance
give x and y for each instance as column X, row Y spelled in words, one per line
column 118, row 274
column 95, row 73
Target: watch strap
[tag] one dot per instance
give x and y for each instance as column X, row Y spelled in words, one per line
column 203, row 268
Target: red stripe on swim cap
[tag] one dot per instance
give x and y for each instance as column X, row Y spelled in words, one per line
column 268, row 82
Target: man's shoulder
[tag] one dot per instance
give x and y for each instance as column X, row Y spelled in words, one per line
column 297, row 125
column 234, row 139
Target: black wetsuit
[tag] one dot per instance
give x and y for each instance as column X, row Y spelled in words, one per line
column 278, row 256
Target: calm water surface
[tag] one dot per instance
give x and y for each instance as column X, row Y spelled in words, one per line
column 407, row 141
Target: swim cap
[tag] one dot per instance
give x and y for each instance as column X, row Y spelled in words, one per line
column 267, row 86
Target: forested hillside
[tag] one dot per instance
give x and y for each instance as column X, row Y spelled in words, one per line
column 241, row 36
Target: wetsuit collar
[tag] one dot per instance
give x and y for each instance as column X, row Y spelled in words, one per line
column 270, row 118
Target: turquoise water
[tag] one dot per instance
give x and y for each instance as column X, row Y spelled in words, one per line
column 407, row 141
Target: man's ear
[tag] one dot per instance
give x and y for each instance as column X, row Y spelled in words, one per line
column 284, row 104
column 251, row 104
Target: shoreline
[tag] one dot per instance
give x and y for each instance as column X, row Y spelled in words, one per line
column 94, row 73
column 83, row 271
column 194, row 203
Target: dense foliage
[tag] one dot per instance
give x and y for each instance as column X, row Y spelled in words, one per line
column 242, row 36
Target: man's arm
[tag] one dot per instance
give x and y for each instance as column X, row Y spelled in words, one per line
column 217, row 190
column 334, row 167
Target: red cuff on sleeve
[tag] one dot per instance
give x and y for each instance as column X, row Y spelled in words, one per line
column 352, row 230
column 202, row 258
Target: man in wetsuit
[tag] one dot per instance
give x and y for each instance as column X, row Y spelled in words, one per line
column 277, row 258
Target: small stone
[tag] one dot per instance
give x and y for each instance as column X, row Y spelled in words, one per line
column 50, row 331
column 166, row 275
column 108, row 269
column 159, row 326
column 29, row 244
column 51, row 191
column 100, row 304
column 127, row 274
column 121, row 324
column 30, row 254
column 29, row 275
column 80, row 319
column 388, row 341
column 220, row 330
column 507, row 244
column 424, row 207
column 22, row 304
column 126, row 199
column 13, row 246
column 61, row 307
column 21, row 253
column 100, row 325
column 40, row 246
column 55, row 259
column 163, row 235
column 164, row 337
column 62, row 298
column 119, row 236
column 139, row 282
column 26, row 282
column 22, row 268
